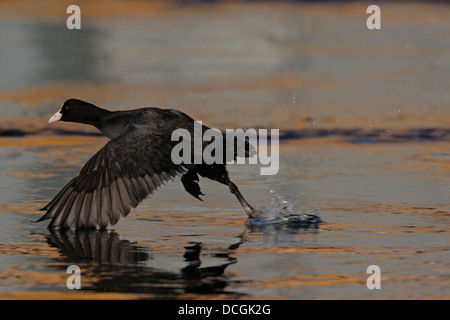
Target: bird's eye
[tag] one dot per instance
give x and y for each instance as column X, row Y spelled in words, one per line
column 66, row 108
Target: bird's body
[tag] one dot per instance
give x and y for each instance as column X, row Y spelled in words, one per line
column 132, row 165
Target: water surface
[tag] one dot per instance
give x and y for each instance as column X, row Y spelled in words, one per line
column 365, row 145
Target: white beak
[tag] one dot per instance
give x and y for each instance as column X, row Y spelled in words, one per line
column 56, row 117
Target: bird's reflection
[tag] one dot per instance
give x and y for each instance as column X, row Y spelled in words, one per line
column 101, row 247
column 117, row 265
column 112, row 264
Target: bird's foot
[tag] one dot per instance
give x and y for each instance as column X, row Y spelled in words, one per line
column 190, row 182
column 253, row 213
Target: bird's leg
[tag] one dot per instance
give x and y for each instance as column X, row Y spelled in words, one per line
column 251, row 212
column 219, row 173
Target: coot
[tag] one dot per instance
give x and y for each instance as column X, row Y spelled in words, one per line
column 131, row 166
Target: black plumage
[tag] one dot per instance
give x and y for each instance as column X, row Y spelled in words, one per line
column 131, row 166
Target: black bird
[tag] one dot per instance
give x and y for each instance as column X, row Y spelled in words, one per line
column 131, row 166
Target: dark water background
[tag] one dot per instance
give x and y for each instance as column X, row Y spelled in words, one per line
column 365, row 144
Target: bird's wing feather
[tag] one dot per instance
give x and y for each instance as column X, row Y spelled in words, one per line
column 116, row 179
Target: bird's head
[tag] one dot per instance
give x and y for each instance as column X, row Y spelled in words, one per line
column 74, row 110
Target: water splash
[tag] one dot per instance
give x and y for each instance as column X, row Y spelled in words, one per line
column 283, row 213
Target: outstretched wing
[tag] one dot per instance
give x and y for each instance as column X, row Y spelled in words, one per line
column 117, row 178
